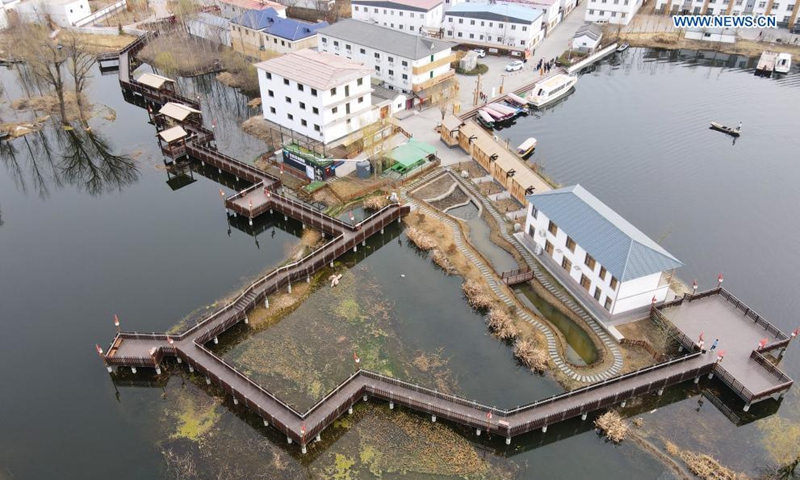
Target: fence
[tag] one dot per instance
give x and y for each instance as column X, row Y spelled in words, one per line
column 645, row 345
column 102, row 13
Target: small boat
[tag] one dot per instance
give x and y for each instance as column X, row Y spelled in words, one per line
column 527, row 147
column 766, row 64
column 622, row 47
column 485, row 119
column 784, row 63
column 551, row 89
column 734, row 132
column 505, row 109
column 517, row 100
column 497, row 114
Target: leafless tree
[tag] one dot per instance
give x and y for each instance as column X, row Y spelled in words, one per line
column 80, row 64
column 46, row 59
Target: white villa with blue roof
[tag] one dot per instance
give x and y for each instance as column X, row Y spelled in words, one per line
column 258, row 32
column 616, row 264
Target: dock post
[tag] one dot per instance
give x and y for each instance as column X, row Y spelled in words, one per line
column 133, row 369
column 303, row 449
column 331, row 263
column 747, row 408
column 191, row 369
column 179, row 360
column 350, row 410
column 391, row 405
column 251, row 221
column 270, row 211
column 622, row 405
column 319, row 437
column 365, row 397
column 266, row 423
column 158, row 370
column 364, row 242
column 478, row 432
column 216, row 340
column 660, row 392
column 110, row 369
column 398, row 219
column 235, row 401
column 289, row 440
column 285, row 218
column 290, row 287
column 381, row 230
column 544, row 429
column 433, row 418
column 246, row 320
column 304, row 225
column 219, row 170
column 583, row 417
column 680, row 348
column 308, row 278
column 355, row 248
column 508, row 440
column 711, row 375
column 208, row 381
column 266, row 302
column 696, row 380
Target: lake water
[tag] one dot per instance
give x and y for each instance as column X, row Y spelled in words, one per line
column 77, row 247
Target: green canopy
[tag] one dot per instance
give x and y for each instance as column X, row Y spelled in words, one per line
column 410, row 154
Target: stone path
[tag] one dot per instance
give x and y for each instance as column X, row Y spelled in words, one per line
column 499, row 291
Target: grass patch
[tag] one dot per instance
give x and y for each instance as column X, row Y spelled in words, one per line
column 479, row 69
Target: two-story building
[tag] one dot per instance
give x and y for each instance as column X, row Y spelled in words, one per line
column 618, row 266
column 618, row 12
column 409, row 16
column 784, row 11
column 587, row 38
column 64, row 13
column 231, row 9
column 401, row 61
column 501, row 28
column 320, row 95
column 263, row 33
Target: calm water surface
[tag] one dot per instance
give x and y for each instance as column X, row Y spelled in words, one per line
column 75, row 250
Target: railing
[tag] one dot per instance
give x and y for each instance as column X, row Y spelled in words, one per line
column 781, row 337
column 230, row 164
column 643, row 344
column 682, row 338
column 734, row 384
column 770, row 367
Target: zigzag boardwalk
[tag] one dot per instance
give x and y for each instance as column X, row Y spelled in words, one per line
column 716, row 312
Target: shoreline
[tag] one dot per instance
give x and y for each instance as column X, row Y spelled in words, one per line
column 674, row 41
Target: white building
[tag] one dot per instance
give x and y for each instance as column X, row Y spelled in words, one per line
column 587, row 37
column 724, row 35
column 618, row 12
column 501, row 28
column 784, row 11
column 317, row 94
column 410, row 16
column 64, row 13
column 616, row 264
column 402, row 61
column 231, row 9
column 210, row 27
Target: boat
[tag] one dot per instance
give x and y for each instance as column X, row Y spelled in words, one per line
column 784, row 63
column 504, row 109
column 734, row 132
column 551, row 89
column 497, row 114
column 485, row 119
column 622, row 47
column 766, row 64
column 527, row 147
column 517, row 100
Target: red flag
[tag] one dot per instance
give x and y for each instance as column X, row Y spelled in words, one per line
column 355, row 357
column 303, row 429
column 221, row 193
column 719, row 277
column 116, row 321
column 170, row 341
column 694, row 284
column 796, row 332
column 281, row 168
column 701, row 336
column 762, row 343
column 489, row 415
column 99, row 350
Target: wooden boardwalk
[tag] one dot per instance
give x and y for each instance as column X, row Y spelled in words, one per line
column 718, row 312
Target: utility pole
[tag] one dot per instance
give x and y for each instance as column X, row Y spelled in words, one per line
column 476, row 94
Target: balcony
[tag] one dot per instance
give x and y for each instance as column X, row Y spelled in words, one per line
column 433, row 81
column 438, row 63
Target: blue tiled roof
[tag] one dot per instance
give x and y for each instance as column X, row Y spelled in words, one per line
column 268, row 21
column 623, row 249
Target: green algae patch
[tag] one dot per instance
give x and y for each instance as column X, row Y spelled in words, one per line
column 195, row 417
column 341, row 468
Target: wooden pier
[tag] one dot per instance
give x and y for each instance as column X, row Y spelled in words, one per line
column 717, row 313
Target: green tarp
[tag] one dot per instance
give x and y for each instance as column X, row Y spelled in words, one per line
column 410, row 154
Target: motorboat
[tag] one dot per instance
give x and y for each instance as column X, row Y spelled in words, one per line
column 527, row 147
column 783, row 63
column 734, row 132
column 551, row 89
column 622, row 47
column 485, row 119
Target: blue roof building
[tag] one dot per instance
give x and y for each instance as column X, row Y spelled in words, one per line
column 262, row 30
column 612, row 260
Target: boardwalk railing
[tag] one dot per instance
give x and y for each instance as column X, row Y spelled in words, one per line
column 519, row 275
column 661, row 319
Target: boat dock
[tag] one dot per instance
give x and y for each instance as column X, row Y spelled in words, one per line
column 766, row 64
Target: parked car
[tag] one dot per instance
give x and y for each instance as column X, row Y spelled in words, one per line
column 481, row 52
column 514, row 66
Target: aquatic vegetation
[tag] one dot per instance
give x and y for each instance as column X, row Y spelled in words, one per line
column 530, row 355
column 420, row 239
column 702, row 465
column 442, row 261
column 476, row 294
column 196, row 415
column 502, row 325
column 612, row 425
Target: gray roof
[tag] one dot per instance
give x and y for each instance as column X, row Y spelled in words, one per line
column 404, row 45
column 592, row 30
column 617, row 245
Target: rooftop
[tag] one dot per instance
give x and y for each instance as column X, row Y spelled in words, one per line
column 172, row 134
column 411, row 152
column 319, row 70
column 516, row 13
column 254, row 4
column 592, row 30
column 177, row 111
column 270, row 22
column 621, row 248
column 414, row 5
column 153, row 80
column 387, row 40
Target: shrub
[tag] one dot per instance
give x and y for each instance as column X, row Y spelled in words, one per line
column 420, row 239
column 441, row 259
column 502, row 325
column 476, row 295
column 612, row 424
column 529, row 355
column 376, row 203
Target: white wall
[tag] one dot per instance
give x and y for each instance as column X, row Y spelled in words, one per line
column 3, row 18
column 710, row 37
column 330, row 121
column 397, row 19
column 612, row 11
column 781, row 9
column 493, row 33
column 639, row 292
column 584, row 42
column 230, row 12
column 63, row 14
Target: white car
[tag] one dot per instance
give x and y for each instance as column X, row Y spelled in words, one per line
column 481, row 52
column 514, row 66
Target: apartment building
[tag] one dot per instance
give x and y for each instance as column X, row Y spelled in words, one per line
column 617, row 12
column 784, row 11
column 231, row 9
column 502, row 28
column 262, row 33
column 408, row 16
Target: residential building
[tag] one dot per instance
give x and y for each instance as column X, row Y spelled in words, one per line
column 262, row 33
column 620, row 267
column 320, row 95
column 587, row 37
column 618, row 12
column 409, row 16
column 401, row 61
column 231, row 9
column 501, row 28
column 210, row 27
column 554, row 11
column 724, row 35
column 784, row 11
column 64, row 13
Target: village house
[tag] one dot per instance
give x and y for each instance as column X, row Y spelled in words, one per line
column 231, row 9
column 724, row 35
column 554, row 10
column 501, row 28
column 617, row 12
column 409, row 16
column 320, row 95
column 587, row 38
column 784, row 11
column 588, row 246
column 210, row 27
column 64, row 13
column 412, row 64
column 263, row 33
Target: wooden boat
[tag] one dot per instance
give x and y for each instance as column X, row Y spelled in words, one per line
column 766, row 64
column 517, row 100
column 551, row 89
column 505, row 109
column 622, row 47
column 527, row 147
column 734, row 132
column 485, row 119
column 784, row 63
column 496, row 114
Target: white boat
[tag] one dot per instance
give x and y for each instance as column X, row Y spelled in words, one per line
column 551, row 89
column 526, row 147
column 784, row 63
column 622, row 47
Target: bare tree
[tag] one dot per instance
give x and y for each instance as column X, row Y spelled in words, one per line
column 46, row 59
column 80, row 64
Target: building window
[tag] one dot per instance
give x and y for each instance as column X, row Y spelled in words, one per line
column 290, row 116
column 482, row 24
column 459, row 34
column 471, row 35
column 324, row 40
column 513, row 27
column 360, row 99
column 534, row 212
column 597, row 293
column 377, row 68
column 300, row 87
column 302, row 106
column 362, row 51
column 316, row 127
column 303, row 123
column 613, row 14
column 570, row 244
column 450, row 19
column 270, row 93
column 552, row 228
column 614, row 283
column 405, row 77
column 608, row 304
column 472, row 22
column 548, row 247
column 404, row 63
column 315, row 110
column 589, row 262
column 499, row 25
column 377, row 55
column 355, row 7
column 288, row 99
column 524, row 29
column 334, row 110
column 335, row 43
column 269, row 76
column 591, row 12
column 313, row 92
column 360, row 82
column 460, row 20
column 375, row 10
column 585, row 282
column 391, row 59
column 286, row 81
column 272, row 110
column 566, row 264
column 602, row 273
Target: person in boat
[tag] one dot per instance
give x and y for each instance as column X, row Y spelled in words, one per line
column 739, row 127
